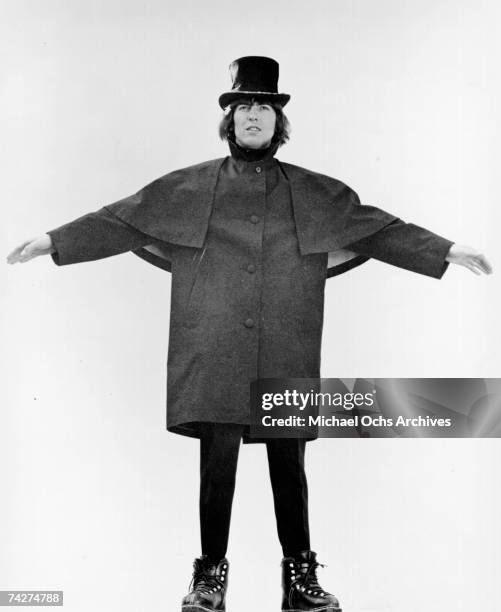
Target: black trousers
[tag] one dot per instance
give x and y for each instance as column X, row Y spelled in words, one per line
column 219, row 447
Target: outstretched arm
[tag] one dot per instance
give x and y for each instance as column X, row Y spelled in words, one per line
column 94, row 236
column 415, row 248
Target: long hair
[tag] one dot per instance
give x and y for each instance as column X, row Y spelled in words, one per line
column 282, row 125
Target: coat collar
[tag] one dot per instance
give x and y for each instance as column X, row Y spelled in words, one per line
column 252, row 155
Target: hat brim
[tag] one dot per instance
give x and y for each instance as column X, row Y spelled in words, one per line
column 232, row 96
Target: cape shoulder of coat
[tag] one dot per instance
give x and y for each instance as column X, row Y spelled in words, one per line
column 175, row 210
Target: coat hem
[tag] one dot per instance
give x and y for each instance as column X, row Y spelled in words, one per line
column 192, row 430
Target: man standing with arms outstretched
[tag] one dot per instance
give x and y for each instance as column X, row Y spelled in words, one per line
column 250, row 242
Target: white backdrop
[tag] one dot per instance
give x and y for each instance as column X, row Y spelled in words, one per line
column 398, row 99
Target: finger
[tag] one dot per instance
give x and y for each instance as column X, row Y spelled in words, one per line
column 480, row 269
column 474, row 262
column 483, row 269
column 479, row 265
column 26, row 254
column 484, row 264
column 471, row 267
column 14, row 255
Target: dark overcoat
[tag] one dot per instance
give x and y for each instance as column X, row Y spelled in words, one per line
column 250, row 245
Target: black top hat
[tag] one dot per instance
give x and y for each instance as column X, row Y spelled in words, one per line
column 255, row 77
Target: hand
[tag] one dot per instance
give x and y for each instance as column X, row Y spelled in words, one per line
column 469, row 258
column 34, row 247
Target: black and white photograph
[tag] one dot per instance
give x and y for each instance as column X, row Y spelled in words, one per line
column 286, row 198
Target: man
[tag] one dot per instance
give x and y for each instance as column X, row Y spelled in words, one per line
column 250, row 242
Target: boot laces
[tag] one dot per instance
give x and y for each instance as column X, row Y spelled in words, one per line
column 307, row 582
column 203, row 581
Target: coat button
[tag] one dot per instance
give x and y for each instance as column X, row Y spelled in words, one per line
column 249, row 322
column 254, row 219
column 251, row 268
column 258, row 169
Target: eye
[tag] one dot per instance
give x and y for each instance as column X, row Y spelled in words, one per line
column 265, row 107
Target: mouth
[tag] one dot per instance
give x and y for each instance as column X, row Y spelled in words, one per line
column 253, row 128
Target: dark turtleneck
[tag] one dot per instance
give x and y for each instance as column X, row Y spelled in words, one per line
column 252, row 155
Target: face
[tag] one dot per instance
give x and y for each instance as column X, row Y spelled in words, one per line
column 254, row 124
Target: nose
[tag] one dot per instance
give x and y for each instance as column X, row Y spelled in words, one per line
column 253, row 113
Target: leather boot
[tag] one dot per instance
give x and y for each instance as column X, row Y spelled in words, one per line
column 208, row 586
column 300, row 589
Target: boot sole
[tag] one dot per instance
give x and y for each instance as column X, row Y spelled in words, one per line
column 195, row 608
column 321, row 609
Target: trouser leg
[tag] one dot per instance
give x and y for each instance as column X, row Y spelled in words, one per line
column 290, row 493
column 219, row 446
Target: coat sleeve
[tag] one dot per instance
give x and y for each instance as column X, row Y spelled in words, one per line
column 407, row 246
column 94, row 236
